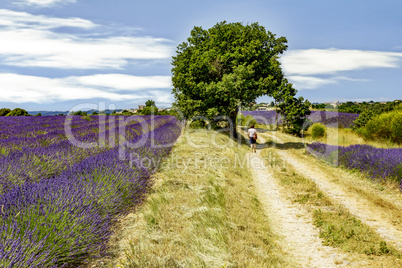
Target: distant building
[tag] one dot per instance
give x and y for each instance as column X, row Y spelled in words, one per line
column 335, row 104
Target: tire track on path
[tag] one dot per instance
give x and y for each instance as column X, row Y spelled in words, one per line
column 359, row 207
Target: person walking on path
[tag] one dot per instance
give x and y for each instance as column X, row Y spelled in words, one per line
column 252, row 133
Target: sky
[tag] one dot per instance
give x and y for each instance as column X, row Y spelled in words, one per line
column 63, row 54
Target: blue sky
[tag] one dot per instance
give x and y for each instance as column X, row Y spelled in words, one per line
column 57, row 54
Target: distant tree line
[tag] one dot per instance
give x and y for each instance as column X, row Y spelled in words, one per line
column 375, row 107
column 358, row 108
column 322, row 106
column 81, row 113
column 15, row 112
column 149, row 109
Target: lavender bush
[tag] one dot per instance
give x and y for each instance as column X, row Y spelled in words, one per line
column 62, row 217
column 378, row 163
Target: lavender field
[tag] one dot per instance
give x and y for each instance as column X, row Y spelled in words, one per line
column 64, row 181
column 378, row 163
column 327, row 118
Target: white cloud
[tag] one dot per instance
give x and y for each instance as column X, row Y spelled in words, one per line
column 17, row 88
column 117, row 82
column 311, row 82
column 303, row 66
column 15, row 20
column 31, row 41
column 331, row 61
column 43, row 3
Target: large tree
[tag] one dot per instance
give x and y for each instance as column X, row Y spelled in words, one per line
column 226, row 66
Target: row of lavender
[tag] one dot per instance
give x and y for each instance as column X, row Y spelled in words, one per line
column 46, row 155
column 327, row 118
column 37, row 131
column 62, row 217
column 378, row 163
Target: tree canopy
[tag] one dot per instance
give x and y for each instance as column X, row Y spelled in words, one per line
column 225, row 66
column 150, row 103
column 150, row 108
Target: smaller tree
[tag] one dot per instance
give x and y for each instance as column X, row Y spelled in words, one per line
column 150, row 108
column 150, row 103
column 294, row 110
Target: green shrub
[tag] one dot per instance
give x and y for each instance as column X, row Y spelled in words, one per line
column 318, row 130
column 385, row 126
column 199, row 124
column 87, row 117
column 396, row 127
column 246, row 120
column 363, row 118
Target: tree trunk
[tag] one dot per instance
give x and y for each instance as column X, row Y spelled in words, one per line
column 233, row 127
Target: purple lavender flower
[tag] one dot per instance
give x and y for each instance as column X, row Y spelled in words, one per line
column 58, row 202
column 378, row 163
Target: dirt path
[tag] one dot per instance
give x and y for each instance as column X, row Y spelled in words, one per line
column 292, row 223
column 359, row 207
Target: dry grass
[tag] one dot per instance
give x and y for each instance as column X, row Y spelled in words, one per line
column 346, row 137
column 338, row 227
column 203, row 212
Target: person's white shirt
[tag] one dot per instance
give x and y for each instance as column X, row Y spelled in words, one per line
column 251, row 132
